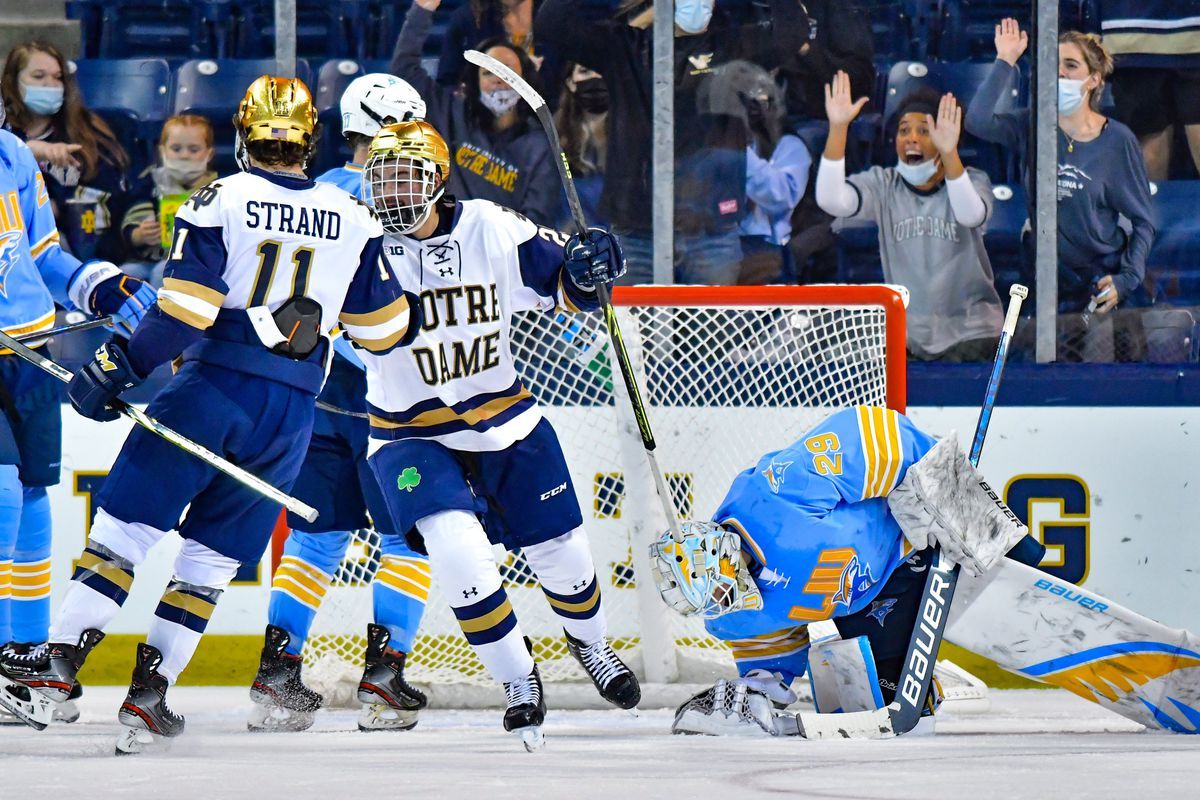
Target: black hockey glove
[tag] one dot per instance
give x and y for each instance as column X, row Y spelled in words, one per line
column 595, row 259
column 101, row 381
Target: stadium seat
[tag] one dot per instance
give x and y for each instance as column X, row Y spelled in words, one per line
column 327, row 29
column 1003, row 236
column 132, row 97
column 967, row 28
column 186, row 28
column 858, row 252
column 1174, row 261
column 213, row 89
column 90, row 14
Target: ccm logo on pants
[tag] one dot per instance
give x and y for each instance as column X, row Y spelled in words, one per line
column 557, row 490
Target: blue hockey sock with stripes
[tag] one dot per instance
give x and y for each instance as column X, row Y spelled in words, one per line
column 10, row 522
column 309, row 562
column 31, row 569
column 400, row 591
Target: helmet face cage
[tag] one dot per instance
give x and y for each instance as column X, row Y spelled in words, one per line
column 402, row 190
column 703, row 575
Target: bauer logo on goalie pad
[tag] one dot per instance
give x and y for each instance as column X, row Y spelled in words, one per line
column 1072, row 594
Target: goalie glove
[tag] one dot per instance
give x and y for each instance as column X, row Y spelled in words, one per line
column 729, row 708
column 943, row 500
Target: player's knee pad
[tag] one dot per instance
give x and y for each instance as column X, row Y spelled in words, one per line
column 33, row 538
column 562, row 563
column 324, row 551
column 129, row 540
column 202, row 566
column 843, row 676
column 461, row 556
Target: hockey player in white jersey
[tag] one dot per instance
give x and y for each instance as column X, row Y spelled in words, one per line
column 336, row 480
column 459, row 445
column 263, row 264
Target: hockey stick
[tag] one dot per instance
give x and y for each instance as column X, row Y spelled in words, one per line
column 332, row 409
column 240, row 475
column 538, row 104
column 78, row 327
column 913, row 686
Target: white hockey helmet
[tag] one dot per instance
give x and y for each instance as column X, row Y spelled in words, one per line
column 377, row 99
column 704, row 574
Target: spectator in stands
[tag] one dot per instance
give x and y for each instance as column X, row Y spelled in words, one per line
column 477, row 20
column 837, row 37
column 1101, row 179
column 82, row 160
column 500, row 151
column 1156, row 83
column 581, row 121
column 777, row 167
column 710, row 185
column 185, row 150
column 931, row 213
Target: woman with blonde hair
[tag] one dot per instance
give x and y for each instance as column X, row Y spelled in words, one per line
column 1101, row 179
column 83, row 163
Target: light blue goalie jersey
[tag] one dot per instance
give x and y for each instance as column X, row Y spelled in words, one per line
column 34, row 270
column 814, row 519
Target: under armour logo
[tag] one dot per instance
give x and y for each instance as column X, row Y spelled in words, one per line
column 472, row 592
column 446, row 272
column 580, row 585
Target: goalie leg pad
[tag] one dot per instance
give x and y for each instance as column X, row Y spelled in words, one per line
column 843, row 676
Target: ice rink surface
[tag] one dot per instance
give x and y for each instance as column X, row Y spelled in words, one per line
column 1032, row 744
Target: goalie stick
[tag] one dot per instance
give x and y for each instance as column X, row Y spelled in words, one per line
column 538, row 104
column 77, row 327
column 250, row 481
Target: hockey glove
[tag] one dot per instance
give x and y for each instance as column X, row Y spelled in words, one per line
column 943, row 500
column 597, row 258
column 100, row 382
column 99, row 287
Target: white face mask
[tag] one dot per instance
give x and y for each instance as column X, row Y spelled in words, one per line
column 1070, row 95
column 183, row 170
column 692, row 16
column 499, row 101
column 917, row 174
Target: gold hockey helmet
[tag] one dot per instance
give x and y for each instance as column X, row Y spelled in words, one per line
column 407, row 167
column 279, row 109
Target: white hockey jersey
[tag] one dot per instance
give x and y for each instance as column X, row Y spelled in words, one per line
column 247, row 243
column 457, row 383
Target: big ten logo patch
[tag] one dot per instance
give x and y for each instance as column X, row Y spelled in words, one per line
column 608, row 495
column 1057, row 509
column 515, row 571
column 87, row 484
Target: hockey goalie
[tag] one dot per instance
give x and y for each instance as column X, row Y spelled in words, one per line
column 841, row 526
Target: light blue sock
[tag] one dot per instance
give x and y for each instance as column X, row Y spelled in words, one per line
column 10, row 523
column 309, row 563
column 400, row 591
column 31, row 569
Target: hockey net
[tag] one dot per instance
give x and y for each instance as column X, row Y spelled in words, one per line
column 727, row 374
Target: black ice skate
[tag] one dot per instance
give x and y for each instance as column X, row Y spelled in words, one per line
column 49, row 671
column 616, row 682
column 390, row 702
column 526, row 709
column 145, row 708
column 65, row 711
column 282, row 701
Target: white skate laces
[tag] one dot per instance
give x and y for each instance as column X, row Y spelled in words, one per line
column 523, row 692
column 601, row 663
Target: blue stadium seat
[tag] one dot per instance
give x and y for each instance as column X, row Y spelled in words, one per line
column 1173, row 265
column 964, row 81
column 213, row 88
column 968, row 27
column 1003, row 236
column 186, row 28
column 324, row 28
column 90, row 14
column 132, row 97
column 858, row 252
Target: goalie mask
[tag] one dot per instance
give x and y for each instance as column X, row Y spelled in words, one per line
column 405, row 174
column 275, row 109
column 704, row 574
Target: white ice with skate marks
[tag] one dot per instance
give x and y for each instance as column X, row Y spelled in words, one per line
column 1036, row 743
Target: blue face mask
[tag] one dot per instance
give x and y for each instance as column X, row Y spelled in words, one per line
column 1070, row 95
column 692, row 16
column 917, row 174
column 45, row 100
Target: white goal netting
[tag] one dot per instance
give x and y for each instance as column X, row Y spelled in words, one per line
column 726, row 374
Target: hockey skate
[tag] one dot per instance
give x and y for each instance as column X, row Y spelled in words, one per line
column 37, row 679
column 65, row 712
column 145, row 709
column 526, row 710
column 389, row 701
column 282, row 701
column 615, row 682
